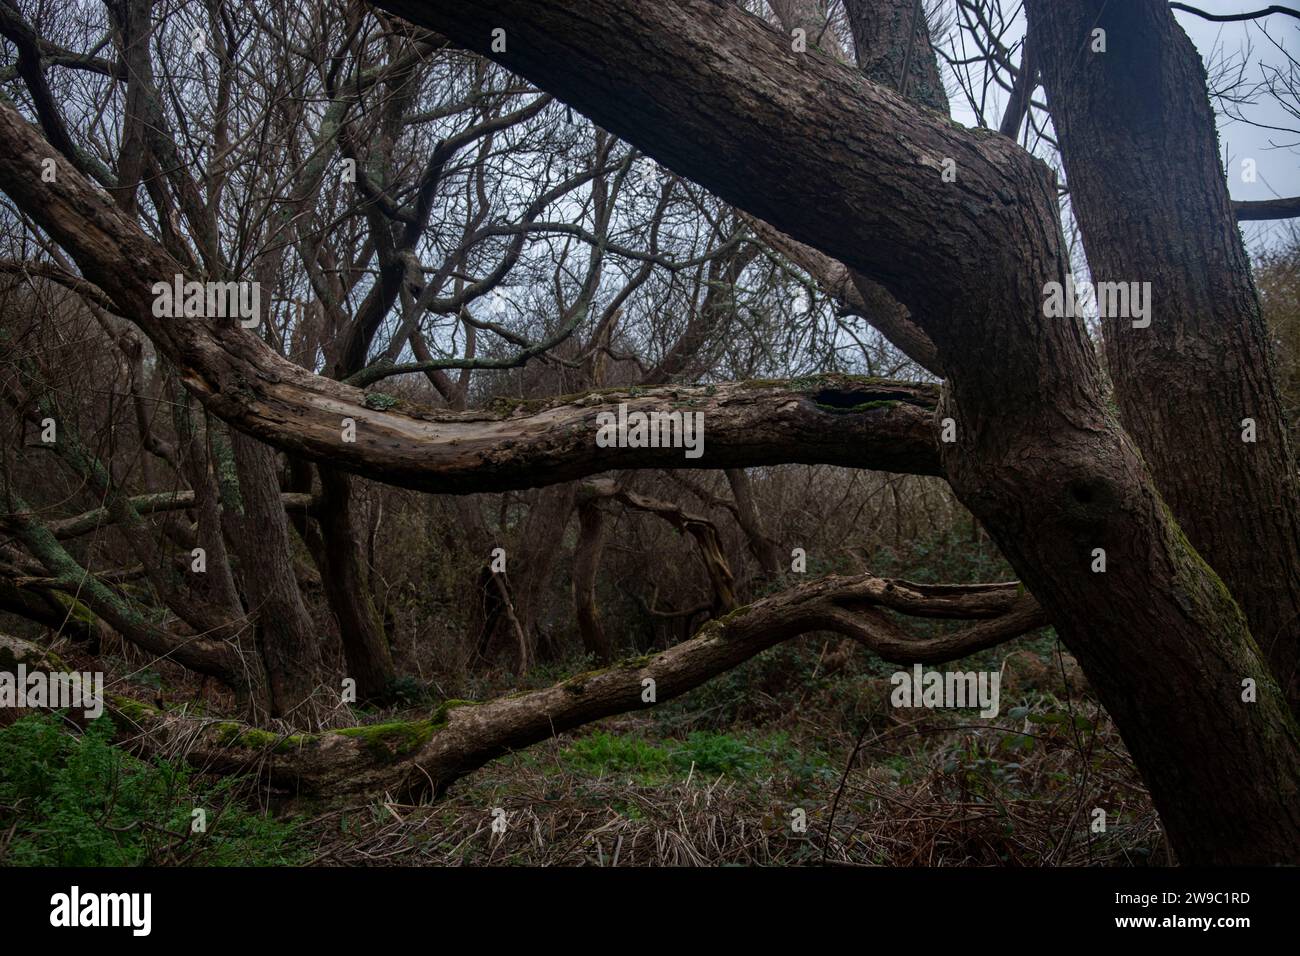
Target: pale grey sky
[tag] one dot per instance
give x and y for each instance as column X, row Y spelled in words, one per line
column 1276, row 152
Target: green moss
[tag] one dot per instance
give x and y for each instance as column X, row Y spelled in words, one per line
column 1206, row 605
column 440, row 715
column 32, row 655
column 231, row 734
column 577, row 684
column 132, row 709
column 508, row 406
column 227, row 474
column 735, row 615
column 76, row 610
column 388, row 742
column 381, row 402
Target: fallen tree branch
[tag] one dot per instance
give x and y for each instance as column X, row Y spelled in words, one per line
column 417, row 757
column 133, row 621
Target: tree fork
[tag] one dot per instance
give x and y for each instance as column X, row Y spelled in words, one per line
column 1038, row 458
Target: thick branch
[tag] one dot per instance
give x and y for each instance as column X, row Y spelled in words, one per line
column 1266, row 209
column 766, row 128
column 829, row 420
column 415, row 757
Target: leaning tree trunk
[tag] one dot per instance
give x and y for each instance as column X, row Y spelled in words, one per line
column 1039, row 458
column 1137, row 135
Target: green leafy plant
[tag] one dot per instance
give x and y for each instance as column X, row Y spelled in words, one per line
column 74, row 799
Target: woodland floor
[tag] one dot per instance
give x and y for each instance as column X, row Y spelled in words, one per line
column 712, row 778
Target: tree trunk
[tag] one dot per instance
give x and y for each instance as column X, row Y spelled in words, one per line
column 288, row 639
column 1138, row 140
column 586, row 561
column 412, row 758
column 765, row 550
column 1039, row 459
column 347, row 587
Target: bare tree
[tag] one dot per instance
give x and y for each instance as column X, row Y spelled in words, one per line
column 508, row 271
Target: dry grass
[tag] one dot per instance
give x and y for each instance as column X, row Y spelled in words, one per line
column 938, row 789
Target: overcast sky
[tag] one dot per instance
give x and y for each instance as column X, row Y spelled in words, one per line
column 1276, row 152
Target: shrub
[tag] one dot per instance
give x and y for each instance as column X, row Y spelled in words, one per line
column 72, row 799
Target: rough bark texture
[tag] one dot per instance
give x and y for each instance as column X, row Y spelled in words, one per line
column 347, row 586
column 883, row 32
column 892, row 42
column 1138, row 139
column 243, row 382
column 1039, row 458
column 855, row 171
column 289, row 643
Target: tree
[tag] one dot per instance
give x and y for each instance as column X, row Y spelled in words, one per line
column 950, row 237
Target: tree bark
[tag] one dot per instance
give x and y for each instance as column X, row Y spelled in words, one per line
column 412, row 758
column 1137, row 136
column 287, row 637
column 244, row 382
column 891, row 39
column 347, row 586
column 1039, row 458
